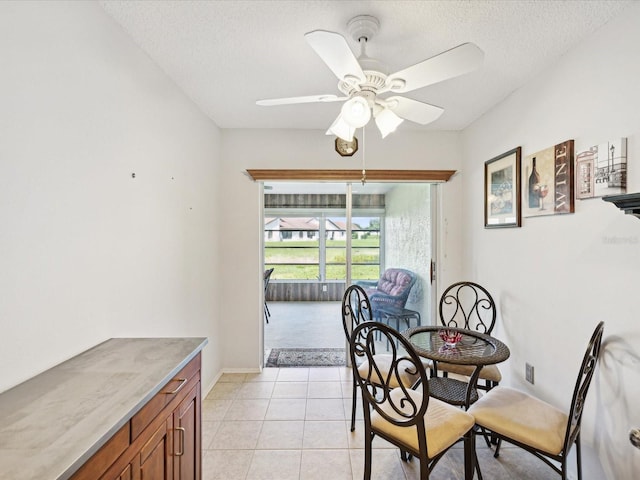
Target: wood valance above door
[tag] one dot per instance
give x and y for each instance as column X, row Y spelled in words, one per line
column 260, row 175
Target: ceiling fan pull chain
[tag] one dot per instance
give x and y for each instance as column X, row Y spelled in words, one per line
column 364, row 149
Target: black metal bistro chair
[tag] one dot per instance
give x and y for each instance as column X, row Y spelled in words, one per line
column 421, row 426
column 470, row 306
column 532, row 424
column 356, row 309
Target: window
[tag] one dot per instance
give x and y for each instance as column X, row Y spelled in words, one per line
column 318, row 252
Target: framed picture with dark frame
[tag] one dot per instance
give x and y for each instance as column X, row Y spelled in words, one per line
column 502, row 194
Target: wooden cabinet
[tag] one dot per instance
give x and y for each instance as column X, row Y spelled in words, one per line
column 186, row 422
column 162, row 441
column 156, row 456
column 126, row 474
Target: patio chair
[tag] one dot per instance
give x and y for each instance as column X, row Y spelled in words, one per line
column 356, row 310
column 390, row 292
column 267, row 277
column 536, row 426
column 423, row 427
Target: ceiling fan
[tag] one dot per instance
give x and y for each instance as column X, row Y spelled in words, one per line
column 365, row 86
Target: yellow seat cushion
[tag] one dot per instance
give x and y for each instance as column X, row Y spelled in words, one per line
column 444, row 424
column 488, row 372
column 383, row 362
column 521, row 417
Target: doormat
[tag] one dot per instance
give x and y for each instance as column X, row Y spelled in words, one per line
column 306, row 357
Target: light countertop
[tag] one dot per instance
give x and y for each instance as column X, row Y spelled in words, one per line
column 54, row 422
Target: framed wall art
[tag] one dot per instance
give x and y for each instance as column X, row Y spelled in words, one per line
column 602, row 169
column 548, row 180
column 502, row 190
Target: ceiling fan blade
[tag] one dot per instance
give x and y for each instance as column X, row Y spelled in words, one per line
column 335, row 52
column 413, row 110
column 459, row 60
column 306, row 99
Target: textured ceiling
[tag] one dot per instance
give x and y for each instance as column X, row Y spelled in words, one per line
column 225, row 55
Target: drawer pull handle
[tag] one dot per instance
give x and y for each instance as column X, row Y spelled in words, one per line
column 182, row 382
column 182, row 431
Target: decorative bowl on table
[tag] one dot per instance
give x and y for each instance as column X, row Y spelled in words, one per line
column 450, row 337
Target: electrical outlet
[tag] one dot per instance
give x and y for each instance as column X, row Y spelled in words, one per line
column 529, row 373
column 324, row 288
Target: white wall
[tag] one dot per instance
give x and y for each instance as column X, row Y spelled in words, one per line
column 295, row 149
column 557, row 277
column 86, row 251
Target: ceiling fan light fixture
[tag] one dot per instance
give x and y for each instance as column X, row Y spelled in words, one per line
column 356, row 112
column 387, row 122
column 341, row 129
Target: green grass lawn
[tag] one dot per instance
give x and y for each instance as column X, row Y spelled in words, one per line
column 298, row 260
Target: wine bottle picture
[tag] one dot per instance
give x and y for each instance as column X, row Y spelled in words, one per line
column 534, row 183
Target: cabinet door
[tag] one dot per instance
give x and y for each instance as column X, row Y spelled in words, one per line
column 187, row 437
column 126, row 474
column 156, row 461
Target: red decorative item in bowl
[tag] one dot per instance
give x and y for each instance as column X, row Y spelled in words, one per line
column 450, row 337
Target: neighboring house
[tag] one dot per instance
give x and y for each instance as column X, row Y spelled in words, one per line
column 291, row 228
column 339, row 232
column 303, row 228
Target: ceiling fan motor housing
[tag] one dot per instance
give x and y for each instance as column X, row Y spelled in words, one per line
column 368, row 89
column 362, row 28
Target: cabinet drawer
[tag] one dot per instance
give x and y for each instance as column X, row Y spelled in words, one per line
column 104, row 457
column 176, row 387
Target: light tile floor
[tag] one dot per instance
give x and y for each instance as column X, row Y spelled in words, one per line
column 293, row 423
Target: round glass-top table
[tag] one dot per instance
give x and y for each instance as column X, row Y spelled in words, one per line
column 474, row 348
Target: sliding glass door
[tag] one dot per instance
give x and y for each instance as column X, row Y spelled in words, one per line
column 320, row 237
